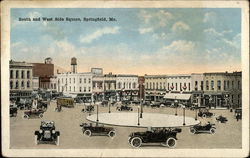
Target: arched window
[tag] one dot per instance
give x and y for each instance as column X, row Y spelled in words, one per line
column 28, row 74
column 22, row 75
column 11, row 84
column 11, row 73
column 17, row 85
column 28, row 84
column 22, row 84
column 17, row 73
column 134, row 85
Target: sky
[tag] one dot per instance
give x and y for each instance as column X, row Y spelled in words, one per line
column 140, row 41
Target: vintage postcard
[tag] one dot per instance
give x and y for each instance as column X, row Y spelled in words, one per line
column 125, row 78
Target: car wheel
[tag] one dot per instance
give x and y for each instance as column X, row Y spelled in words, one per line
column 136, row 142
column 111, row 134
column 131, row 109
column 204, row 115
column 87, row 133
column 41, row 115
column 119, row 109
column 171, row 142
column 212, row 131
column 36, row 139
column 192, row 130
column 26, row 116
column 58, row 140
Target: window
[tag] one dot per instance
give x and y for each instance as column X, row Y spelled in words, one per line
column 147, row 85
column 124, row 84
column 160, row 85
column 69, row 80
column 84, row 80
column 11, row 84
column 84, row 89
column 74, row 88
column 180, row 87
column 228, row 84
column 80, row 80
column 22, row 84
column 168, row 86
column 219, row 85
column 189, row 86
column 153, row 85
column 176, row 86
column 196, row 85
column 17, row 85
column 80, row 89
column 66, row 80
column 11, row 73
column 156, row 85
column 28, row 74
column 134, row 85
column 89, row 89
column 74, row 80
column 22, row 74
column 207, row 85
column 224, row 85
column 69, row 88
column 129, row 85
column 89, row 80
column 212, row 85
column 54, row 86
column 150, row 85
column 202, row 85
column 17, row 73
column 119, row 85
column 238, row 84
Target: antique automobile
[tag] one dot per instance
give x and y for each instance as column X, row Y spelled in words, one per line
column 166, row 137
column 207, row 128
column 47, row 133
column 146, row 103
column 238, row 113
column 97, row 129
column 33, row 113
column 124, row 108
column 66, row 102
column 105, row 102
column 155, row 104
column 42, row 105
column 136, row 102
column 125, row 102
column 204, row 112
column 58, row 108
column 88, row 108
column 13, row 111
column 221, row 119
column 24, row 104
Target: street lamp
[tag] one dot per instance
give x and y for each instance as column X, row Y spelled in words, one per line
column 176, row 104
column 138, row 116
column 97, row 120
column 196, row 107
column 109, row 106
column 140, row 86
column 184, row 115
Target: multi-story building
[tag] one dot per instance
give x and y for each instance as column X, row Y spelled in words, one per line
column 53, row 84
column 98, row 87
column 127, row 87
column 155, row 87
column 35, row 83
column 110, row 86
column 222, row 89
column 21, row 76
column 197, row 87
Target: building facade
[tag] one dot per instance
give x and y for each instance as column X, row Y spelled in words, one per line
column 21, row 79
column 155, row 87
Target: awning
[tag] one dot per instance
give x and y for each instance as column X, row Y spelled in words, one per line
column 177, row 96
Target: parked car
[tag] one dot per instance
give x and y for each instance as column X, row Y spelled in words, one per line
column 155, row 104
column 24, row 104
column 47, row 133
column 135, row 102
column 207, row 128
column 204, row 112
column 104, row 102
column 146, row 103
column 97, row 129
column 124, row 108
column 88, row 108
column 33, row 113
column 221, row 119
column 167, row 137
column 13, row 111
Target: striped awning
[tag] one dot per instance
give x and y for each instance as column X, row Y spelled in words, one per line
column 177, row 96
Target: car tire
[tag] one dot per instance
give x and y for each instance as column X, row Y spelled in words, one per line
column 192, row 130
column 26, row 116
column 131, row 109
column 136, row 142
column 204, row 115
column 119, row 109
column 41, row 115
column 36, row 140
column 57, row 140
column 212, row 131
column 87, row 133
column 171, row 142
column 111, row 134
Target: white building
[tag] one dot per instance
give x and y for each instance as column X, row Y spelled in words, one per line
column 53, row 83
column 179, row 83
column 98, row 87
column 35, row 83
column 75, row 83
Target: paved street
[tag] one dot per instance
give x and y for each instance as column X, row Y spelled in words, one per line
column 227, row 135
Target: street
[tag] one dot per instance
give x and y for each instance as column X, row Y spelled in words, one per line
column 228, row 135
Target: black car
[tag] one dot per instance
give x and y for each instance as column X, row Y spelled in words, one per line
column 33, row 113
column 47, row 133
column 221, row 119
column 155, row 104
column 204, row 112
column 104, row 102
column 135, row 102
column 97, row 129
column 207, row 128
column 125, row 102
column 13, row 111
column 124, row 108
column 42, row 105
column 88, row 108
column 167, row 137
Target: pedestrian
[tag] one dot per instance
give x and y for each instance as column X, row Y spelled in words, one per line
column 237, row 117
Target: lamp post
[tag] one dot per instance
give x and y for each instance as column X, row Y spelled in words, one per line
column 140, row 89
column 97, row 119
column 138, row 116
column 109, row 106
column 176, row 104
column 184, row 115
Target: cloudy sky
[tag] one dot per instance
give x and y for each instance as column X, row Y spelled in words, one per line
column 140, row 41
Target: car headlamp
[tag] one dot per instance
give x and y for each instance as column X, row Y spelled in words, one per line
column 40, row 131
column 53, row 131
